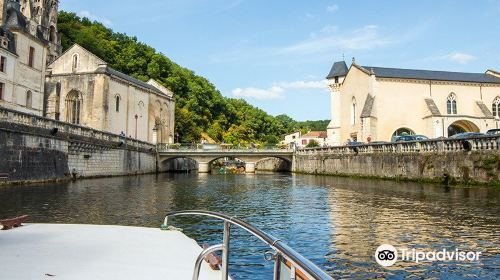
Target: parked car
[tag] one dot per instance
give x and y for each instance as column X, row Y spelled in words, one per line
column 378, row 143
column 406, row 138
column 466, row 135
column 353, row 143
column 493, row 132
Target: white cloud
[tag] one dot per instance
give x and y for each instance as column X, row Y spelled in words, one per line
column 461, row 58
column 94, row 17
column 259, row 94
column 278, row 90
column 332, row 8
column 330, row 39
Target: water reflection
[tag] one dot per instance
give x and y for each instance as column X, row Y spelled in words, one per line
column 336, row 222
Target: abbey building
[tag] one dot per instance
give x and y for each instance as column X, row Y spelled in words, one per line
column 376, row 103
column 75, row 86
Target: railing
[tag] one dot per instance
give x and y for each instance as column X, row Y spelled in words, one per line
column 283, row 254
column 200, row 148
column 16, row 117
column 478, row 143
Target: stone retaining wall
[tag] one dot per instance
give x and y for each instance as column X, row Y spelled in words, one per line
column 465, row 162
column 34, row 149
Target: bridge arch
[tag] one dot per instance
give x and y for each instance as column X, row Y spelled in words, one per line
column 205, row 158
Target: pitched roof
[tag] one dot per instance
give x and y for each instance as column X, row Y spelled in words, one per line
column 315, row 134
column 368, row 107
column 484, row 109
column 110, row 71
column 432, row 75
column 339, row 68
column 433, row 109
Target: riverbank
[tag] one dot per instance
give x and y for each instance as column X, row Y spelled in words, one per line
column 441, row 164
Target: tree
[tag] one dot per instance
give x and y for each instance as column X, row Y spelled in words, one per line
column 312, row 144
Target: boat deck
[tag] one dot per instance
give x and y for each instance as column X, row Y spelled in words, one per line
column 74, row 252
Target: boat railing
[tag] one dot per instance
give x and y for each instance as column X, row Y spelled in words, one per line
column 286, row 260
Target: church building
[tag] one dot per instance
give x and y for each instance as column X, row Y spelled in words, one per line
column 377, row 103
column 75, row 86
column 82, row 89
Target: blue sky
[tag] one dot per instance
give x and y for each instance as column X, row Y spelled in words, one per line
column 275, row 54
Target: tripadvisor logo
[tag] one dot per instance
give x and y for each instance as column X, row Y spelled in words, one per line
column 387, row 255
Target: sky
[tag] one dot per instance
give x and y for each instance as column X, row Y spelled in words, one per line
column 276, row 54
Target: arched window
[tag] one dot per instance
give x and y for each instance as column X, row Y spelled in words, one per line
column 353, row 111
column 29, row 99
column 117, row 100
column 75, row 62
column 451, row 104
column 496, row 107
column 73, row 107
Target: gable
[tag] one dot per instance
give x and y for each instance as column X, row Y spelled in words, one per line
column 86, row 61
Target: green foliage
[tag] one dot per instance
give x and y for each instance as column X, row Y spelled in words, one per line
column 312, row 144
column 200, row 107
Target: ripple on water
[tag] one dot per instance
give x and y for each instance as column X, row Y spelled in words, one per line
column 336, row 222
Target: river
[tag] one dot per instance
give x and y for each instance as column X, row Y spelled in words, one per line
column 336, row 222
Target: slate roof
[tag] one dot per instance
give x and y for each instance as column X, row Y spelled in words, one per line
column 339, row 68
column 432, row 75
column 10, row 36
column 110, row 71
column 368, row 107
column 431, row 105
column 484, row 109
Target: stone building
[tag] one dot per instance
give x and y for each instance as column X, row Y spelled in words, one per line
column 28, row 41
column 82, row 89
column 379, row 103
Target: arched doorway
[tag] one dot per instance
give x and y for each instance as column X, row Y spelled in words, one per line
column 461, row 127
column 401, row 132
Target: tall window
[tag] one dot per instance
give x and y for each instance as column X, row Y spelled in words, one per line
column 353, row 111
column 2, row 86
column 496, row 107
column 75, row 62
column 117, row 103
column 451, row 104
column 3, row 63
column 29, row 99
column 31, row 59
column 73, row 107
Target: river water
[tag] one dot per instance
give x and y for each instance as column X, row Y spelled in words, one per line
column 336, row 222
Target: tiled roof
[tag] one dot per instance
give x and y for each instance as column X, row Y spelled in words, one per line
column 339, row 68
column 315, row 134
column 432, row 75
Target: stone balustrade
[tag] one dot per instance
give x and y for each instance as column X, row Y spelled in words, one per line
column 15, row 117
column 426, row 146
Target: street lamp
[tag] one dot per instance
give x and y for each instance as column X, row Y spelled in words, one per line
column 136, row 117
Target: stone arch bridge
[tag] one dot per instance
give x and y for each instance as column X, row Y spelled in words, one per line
column 204, row 158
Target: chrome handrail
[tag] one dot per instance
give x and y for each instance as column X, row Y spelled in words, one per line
column 283, row 250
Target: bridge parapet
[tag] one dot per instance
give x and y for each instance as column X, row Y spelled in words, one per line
column 424, row 146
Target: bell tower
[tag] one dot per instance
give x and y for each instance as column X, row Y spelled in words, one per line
column 335, row 79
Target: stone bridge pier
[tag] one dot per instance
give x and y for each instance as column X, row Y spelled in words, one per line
column 206, row 158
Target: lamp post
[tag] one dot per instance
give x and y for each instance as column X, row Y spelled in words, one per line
column 136, row 117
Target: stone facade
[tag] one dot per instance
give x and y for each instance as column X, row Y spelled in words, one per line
column 40, row 149
column 82, row 89
column 28, row 41
column 379, row 103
